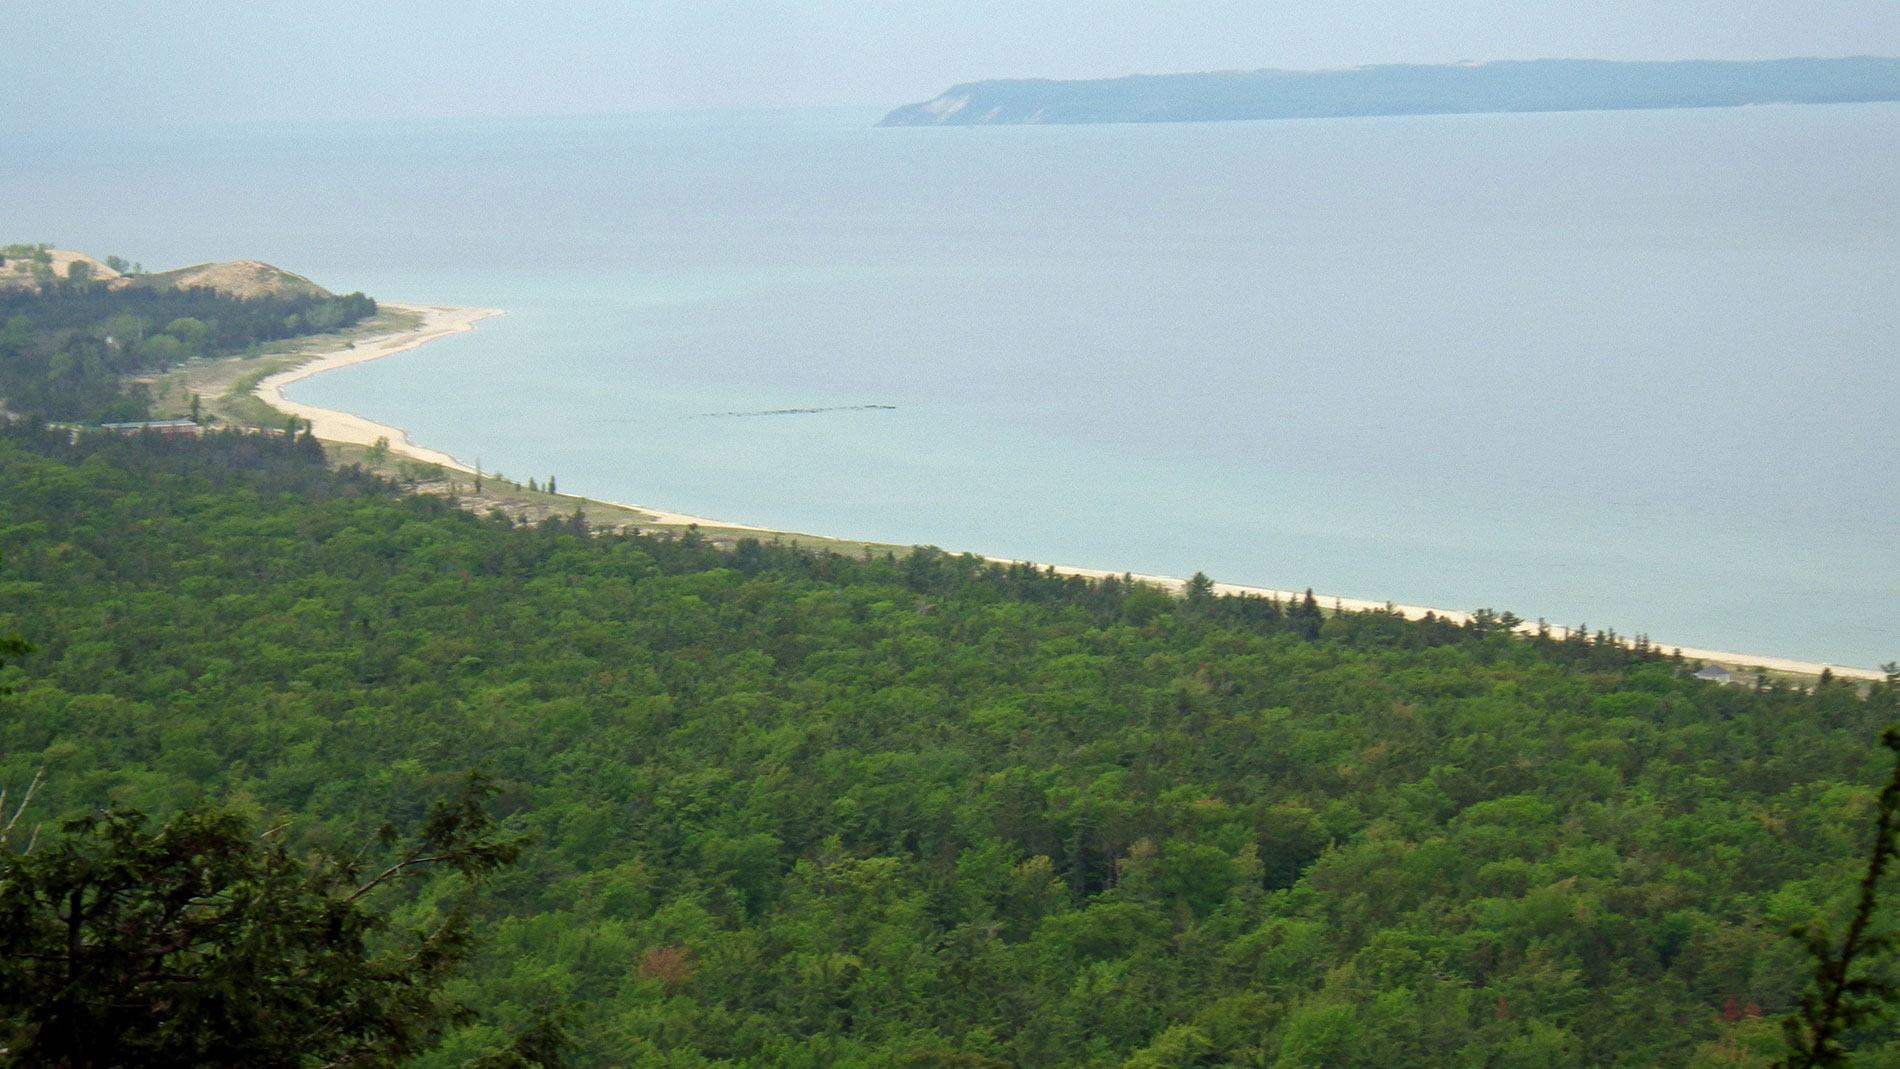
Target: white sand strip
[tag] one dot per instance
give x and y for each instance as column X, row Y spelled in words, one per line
column 333, row 426
column 437, row 322
column 441, row 322
column 1415, row 612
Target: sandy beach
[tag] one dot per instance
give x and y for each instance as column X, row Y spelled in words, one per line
column 1415, row 612
column 437, row 322
column 332, row 426
column 441, row 322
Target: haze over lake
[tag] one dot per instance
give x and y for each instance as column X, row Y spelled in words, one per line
column 1629, row 369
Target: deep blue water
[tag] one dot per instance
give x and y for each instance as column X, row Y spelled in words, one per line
column 1633, row 369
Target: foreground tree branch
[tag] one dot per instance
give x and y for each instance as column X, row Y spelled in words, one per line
column 202, row 942
column 1845, row 995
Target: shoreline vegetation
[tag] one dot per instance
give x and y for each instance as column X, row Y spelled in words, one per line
column 403, row 327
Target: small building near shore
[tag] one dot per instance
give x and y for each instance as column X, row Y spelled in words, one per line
column 164, row 428
column 1714, row 674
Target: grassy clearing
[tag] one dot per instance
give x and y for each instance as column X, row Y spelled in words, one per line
column 223, row 385
column 523, row 505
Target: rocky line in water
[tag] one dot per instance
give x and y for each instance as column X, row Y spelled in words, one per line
column 796, row 411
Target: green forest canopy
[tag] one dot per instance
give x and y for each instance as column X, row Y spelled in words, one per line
column 67, row 351
column 795, row 809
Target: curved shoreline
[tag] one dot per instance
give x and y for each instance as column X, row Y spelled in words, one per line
column 439, row 321
column 333, row 426
column 1416, row 612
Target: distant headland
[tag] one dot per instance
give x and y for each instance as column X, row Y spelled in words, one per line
column 1460, row 88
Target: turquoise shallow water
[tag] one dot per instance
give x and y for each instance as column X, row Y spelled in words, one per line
column 1634, row 370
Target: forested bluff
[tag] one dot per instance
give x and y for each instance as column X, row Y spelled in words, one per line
column 1409, row 89
column 789, row 808
column 74, row 350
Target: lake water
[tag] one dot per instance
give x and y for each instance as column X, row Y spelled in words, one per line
column 1634, row 370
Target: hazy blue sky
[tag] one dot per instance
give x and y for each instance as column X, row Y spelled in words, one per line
column 196, row 60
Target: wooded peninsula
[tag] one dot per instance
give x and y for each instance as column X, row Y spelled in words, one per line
column 1409, row 89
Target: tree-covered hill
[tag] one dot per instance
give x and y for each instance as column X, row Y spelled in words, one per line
column 1410, row 89
column 73, row 350
column 802, row 810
